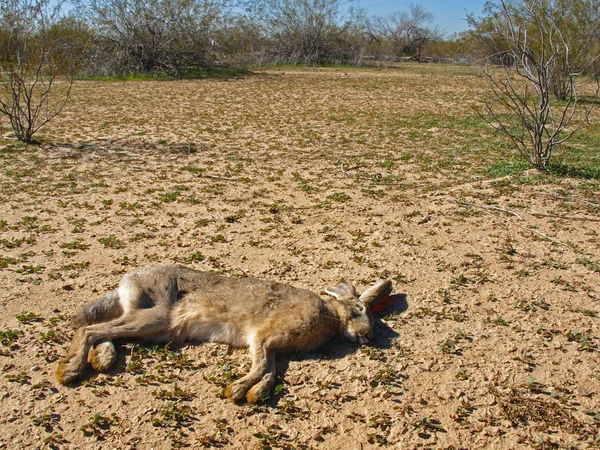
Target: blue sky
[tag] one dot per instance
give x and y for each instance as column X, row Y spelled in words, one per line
column 448, row 15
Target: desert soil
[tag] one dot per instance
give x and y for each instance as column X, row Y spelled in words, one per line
column 304, row 177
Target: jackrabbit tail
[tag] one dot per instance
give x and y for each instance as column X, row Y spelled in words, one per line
column 178, row 304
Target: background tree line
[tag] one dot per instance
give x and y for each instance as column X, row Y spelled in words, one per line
column 112, row 37
column 544, row 47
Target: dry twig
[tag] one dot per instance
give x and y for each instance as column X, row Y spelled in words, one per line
column 475, row 205
column 557, row 216
column 217, row 177
column 545, row 236
column 570, row 198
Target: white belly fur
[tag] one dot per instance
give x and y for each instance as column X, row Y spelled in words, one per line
column 209, row 331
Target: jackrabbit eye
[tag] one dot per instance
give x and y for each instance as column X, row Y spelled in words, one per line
column 358, row 312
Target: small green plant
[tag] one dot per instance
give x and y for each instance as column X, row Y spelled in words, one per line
column 307, row 187
column 594, row 266
column 111, row 241
column 77, row 244
column 381, row 421
column 5, row 261
column 29, row 317
column 583, row 338
column 50, row 336
column 459, row 280
column 427, row 424
column 12, row 243
column 448, row 346
column 387, row 164
column 78, row 225
column 499, row 321
column 27, row 269
column 387, row 376
column 339, row 197
column 99, row 426
column 54, row 440
column 532, row 306
column 194, row 257
column 8, row 338
column 168, row 197
column 128, row 206
column 461, row 374
column 174, row 415
column 175, row 394
column 462, row 413
column 45, row 420
column 21, row 378
column 273, row 437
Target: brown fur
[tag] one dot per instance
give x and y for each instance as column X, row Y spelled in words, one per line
column 102, row 356
column 175, row 303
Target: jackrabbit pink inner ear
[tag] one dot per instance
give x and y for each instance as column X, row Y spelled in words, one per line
column 342, row 290
column 376, row 293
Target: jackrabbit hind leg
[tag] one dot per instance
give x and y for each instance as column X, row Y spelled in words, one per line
column 102, row 355
column 73, row 364
column 139, row 323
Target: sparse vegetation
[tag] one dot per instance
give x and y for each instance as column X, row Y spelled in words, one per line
column 353, row 172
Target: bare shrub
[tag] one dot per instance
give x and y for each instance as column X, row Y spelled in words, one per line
column 40, row 52
column 404, row 32
column 521, row 105
column 306, row 31
column 156, row 35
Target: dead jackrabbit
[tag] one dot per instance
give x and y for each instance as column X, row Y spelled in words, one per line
column 178, row 304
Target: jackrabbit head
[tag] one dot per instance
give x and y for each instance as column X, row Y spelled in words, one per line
column 359, row 324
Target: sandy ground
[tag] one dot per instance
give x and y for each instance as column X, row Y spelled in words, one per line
column 304, row 177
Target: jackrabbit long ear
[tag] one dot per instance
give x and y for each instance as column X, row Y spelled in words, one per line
column 343, row 290
column 375, row 294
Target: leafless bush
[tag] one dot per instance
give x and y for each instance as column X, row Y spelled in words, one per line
column 521, row 105
column 154, row 35
column 306, row 31
column 577, row 22
column 40, row 52
column 404, row 32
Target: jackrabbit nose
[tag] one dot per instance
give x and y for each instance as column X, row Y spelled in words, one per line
column 363, row 340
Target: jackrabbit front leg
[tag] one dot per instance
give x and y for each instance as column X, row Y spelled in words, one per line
column 260, row 365
column 262, row 390
column 138, row 323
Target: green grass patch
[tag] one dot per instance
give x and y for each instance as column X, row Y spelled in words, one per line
column 504, row 168
column 588, row 172
column 192, row 73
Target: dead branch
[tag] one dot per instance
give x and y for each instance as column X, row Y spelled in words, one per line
column 545, row 236
column 558, row 216
column 217, row 177
column 475, row 205
column 486, row 207
column 570, row 198
column 379, row 183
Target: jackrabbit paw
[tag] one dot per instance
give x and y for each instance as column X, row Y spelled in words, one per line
column 261, row 390
column 68, row 370
column 236, row 391
column 102, row 356
column 258, row 393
